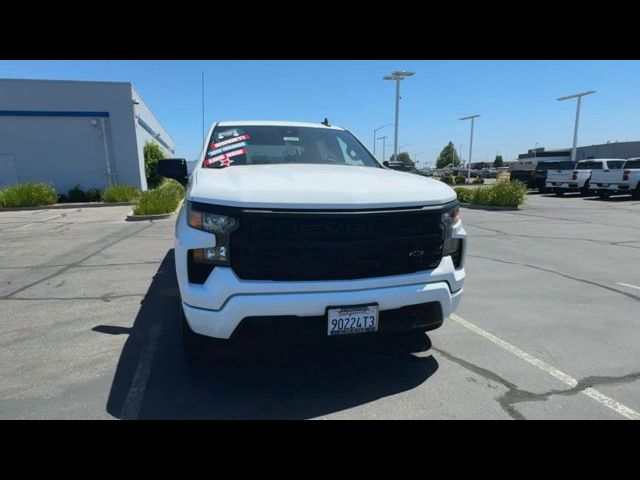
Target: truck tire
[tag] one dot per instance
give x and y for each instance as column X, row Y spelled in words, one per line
column 604, row 195
column 584, row 191
column 636, row 192
column 559, row 193
column 542, row 189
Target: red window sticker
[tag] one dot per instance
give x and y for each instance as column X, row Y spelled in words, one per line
column 213, row 146
column 225, row 156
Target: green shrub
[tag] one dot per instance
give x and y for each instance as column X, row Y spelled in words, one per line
column 463, row 194
column 460, row 180
column 478, row 181
column 502, row 194
column 28, row 195
column 120, row 193
column 94, row 195
column 157, row 201
column 174, row 186
column 62, row 198
column 509, row 194
column 152, row 153
column 76, row 194
column 448, row 179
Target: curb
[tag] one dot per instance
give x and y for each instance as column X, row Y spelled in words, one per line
column 137, row 218
column 58, row 206
column 488, row 207
column 134, row 218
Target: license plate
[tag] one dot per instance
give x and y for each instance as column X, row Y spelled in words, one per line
column 347, row 320
column 604, row 184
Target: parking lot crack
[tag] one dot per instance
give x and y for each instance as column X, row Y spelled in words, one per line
column 508, row 399
column 119, row 239
column 555, row 272
column 515, row 395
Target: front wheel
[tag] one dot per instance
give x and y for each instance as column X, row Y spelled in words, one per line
column 584, row 191
column 542, row 189
column 604, row 195
column 559, row 193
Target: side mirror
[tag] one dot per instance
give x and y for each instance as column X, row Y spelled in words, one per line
column 175, row 168
column 386, row 163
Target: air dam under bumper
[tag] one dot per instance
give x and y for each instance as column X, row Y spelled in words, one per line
column 222, row 323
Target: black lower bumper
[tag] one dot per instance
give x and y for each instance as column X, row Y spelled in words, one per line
column 424, row 316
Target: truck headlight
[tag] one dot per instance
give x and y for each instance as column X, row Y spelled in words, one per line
column 452, row 246
column 218, row 224
column 210, row 222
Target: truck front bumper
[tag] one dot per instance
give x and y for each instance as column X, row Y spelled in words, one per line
column 217, row 307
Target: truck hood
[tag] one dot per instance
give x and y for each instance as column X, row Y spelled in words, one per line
column 304, row 186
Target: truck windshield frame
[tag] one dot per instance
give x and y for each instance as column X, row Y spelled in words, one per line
column 589, row 165
column 280, row 144
column 629, row 164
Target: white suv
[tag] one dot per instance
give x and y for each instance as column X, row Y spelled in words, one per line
column 295, row 228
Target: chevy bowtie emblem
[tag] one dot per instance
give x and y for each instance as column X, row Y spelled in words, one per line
column 416, row 253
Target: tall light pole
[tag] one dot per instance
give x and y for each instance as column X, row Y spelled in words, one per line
column 472, row 118
column 415, row 157
column 460, row 156
column 375, row 132
column 384, row 147
column 398, row 76
column 575, row 128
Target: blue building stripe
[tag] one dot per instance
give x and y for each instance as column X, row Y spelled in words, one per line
column 37, row 113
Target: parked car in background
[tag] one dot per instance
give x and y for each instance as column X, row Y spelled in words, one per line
column 489, row 173
column 624, row 180
column 536, row 178
column 578, row 179
column 396, row 165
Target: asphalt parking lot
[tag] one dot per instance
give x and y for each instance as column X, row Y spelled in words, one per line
column 548, row 328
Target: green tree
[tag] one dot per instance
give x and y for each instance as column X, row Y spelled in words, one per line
column 152, row 153
column 448, row 156
column 498, row 162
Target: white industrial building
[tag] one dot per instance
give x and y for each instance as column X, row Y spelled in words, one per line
column 75, row 133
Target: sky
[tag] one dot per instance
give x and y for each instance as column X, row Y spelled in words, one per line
column 516, row 99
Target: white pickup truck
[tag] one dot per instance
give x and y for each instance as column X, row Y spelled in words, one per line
column 624, row 180
column 579, row 179
column 295, row 229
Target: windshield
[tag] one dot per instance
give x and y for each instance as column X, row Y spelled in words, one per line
column 272, row 144
column 615, row 164
column 632, row 163
column 589, row 166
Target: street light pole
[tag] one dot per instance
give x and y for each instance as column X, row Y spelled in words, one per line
column 375, row 132
column 472, row 118
column 398, row 76
column 575, row 128
column 384, row 147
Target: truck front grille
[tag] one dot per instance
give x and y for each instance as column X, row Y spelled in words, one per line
column 288, row 246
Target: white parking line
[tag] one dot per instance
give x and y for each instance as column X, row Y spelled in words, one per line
column 545, row 367
column 23, row 226
column 133, row 402
column 628, row 285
